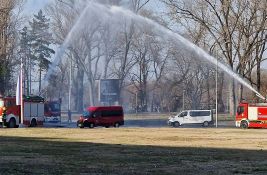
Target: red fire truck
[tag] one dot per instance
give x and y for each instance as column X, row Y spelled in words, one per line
column 251, row 115
column 33, row 107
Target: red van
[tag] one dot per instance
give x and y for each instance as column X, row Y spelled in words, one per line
column 101, row 116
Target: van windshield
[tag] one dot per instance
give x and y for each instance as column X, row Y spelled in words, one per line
column 86, row 114
column 1, row 103
column 182, row 114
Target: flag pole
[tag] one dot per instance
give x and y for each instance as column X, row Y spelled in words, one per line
column 21, row 92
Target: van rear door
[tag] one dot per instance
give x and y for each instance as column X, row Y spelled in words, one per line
column 207, row 115
column 112, row 116
column 200, row 116
column 106, row 118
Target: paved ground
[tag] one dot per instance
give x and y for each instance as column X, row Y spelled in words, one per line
column 147, row 123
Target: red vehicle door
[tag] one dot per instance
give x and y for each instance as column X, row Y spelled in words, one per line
column 242, row 111
column 107, row 118
column 97, row 118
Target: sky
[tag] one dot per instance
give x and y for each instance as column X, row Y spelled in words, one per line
column 33, row 6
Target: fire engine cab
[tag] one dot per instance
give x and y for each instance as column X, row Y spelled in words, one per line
column 33, row 110
column 251, row 115
column 52, row 111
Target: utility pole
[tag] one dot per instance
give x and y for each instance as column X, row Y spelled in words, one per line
column 136, row 102
column 216, row 89
column 183, row 98
column 69, row 101
column 29, row 67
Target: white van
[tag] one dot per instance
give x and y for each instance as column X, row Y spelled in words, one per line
column 203, row 117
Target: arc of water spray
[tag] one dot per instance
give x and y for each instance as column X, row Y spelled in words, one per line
column 61, row 50
column 129, row 14
column 190, row 45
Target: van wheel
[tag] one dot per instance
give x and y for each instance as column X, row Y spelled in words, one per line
column 117, row 125
column 33, row 123
column 12, row 123
column 175, row 124
column 206, row 124
column 244, row 125
column 91, row 125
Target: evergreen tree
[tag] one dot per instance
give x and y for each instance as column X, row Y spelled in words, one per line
column 25, row 54
column 4, row 76
column 41, row 39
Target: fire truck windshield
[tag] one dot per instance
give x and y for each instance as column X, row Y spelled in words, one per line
column 1, row 103
column 55, row 107
column 240, row 110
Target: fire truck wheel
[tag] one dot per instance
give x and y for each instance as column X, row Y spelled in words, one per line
column 91, row 125
column 12, row 123
column 33, row 123
column 206, row 124
column 244, row 125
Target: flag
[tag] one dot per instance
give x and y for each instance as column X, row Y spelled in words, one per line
column 19, row 87
column 18, row 92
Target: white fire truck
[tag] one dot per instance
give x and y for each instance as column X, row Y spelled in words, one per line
column 33, row 110
column 251, row 115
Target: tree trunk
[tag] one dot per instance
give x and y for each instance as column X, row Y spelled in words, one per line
column 80, row 77
column 91, row 91
column 74, row 89
column 221, row 106
column 258, row 75
column 208, row 90
column 232, row 98
column 40, row 79
column 145, row 97
column 107, row 60
column 241, row 92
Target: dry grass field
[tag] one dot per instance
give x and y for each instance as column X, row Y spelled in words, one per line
column 133, row 151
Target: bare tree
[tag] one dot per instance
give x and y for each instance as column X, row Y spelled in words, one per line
column 63, row 16
column 222, row 21
column 137, row 5
column 9, row 26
